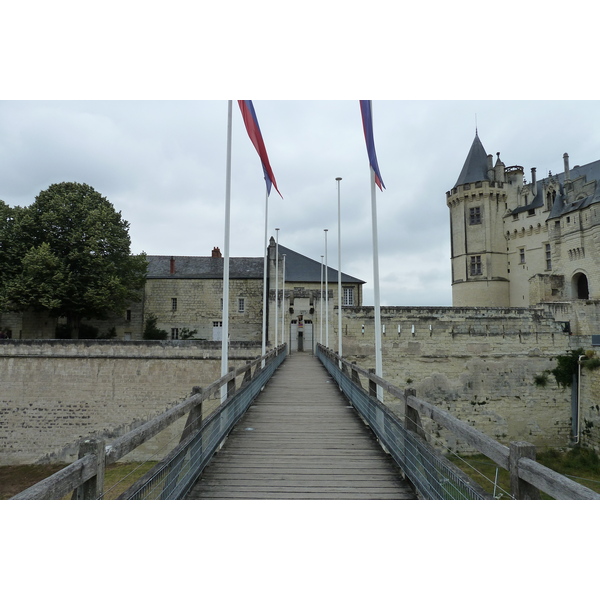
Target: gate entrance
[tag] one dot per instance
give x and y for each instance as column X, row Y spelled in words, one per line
column 301, row 335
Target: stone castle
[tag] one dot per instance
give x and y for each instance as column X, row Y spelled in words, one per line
column 518, row 243
column 525, row 262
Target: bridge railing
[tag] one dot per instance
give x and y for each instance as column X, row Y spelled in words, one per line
column 428, row 470
column 199, row 440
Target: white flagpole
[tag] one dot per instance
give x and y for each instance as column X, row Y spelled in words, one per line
column 283, row 332
column 276, row 281
column 321, row 306
column 338, row 179
column 225, row 328
column 378, row 352
column 326, row 296
column 265, row 291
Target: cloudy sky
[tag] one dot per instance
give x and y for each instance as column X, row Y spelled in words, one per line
column 163, row 165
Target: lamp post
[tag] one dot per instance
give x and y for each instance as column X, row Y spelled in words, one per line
column 338, row 179
column 321, row 305
column 326, row 295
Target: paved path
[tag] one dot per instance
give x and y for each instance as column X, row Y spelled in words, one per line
column 301, row 439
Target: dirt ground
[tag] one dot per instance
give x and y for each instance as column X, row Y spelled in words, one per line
column 15, row 479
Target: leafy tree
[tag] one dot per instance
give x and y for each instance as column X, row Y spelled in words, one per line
column 76, row 261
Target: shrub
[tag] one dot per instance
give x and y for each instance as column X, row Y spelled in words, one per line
column 151, row 331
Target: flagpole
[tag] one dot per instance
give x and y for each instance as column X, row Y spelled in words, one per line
column 321, row 306
column 326, row 295
column 225, row 328
column 378, row 352
column 276, row 281
column 265, row 270
column 338, row 179
column 283, row 332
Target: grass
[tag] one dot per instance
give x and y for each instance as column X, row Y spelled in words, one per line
column 580, row 464
column 117, row 478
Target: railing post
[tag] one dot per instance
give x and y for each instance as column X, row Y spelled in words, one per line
column 247, row 374
column 93, row 488
column 231, row 384
column 412, row 420
column 520, row 489
column 372, row 386
column 194, row 419
column 355, row 376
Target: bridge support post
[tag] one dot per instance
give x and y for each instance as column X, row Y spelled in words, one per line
column 520, row 489
column 194, row 419
column 93, row 488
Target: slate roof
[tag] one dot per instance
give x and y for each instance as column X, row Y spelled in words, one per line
column 476, row 165
column 203, row 267
column 591, row 172
column 298, row 268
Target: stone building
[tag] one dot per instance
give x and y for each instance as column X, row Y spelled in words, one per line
column 185, row 295
column 516, row 243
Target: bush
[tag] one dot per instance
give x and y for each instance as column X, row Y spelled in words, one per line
column 151, row 331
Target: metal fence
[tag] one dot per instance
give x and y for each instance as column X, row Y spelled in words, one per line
column 433, row 476
column 174, row 476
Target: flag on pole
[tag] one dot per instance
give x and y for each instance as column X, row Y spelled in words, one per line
column 253, row 129
column 367, row 119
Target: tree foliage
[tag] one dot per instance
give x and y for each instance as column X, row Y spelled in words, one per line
column 69, row 255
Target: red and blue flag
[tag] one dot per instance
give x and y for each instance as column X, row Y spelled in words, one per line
column 367, row 119
column 253, row 129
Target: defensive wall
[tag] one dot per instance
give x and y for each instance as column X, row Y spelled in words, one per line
column 479, row 364
column 54, row 393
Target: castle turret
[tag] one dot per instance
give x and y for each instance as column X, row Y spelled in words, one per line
column 477, row 203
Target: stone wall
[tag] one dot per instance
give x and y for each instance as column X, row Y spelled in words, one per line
column 479, row 364
column 590, row 409
column 56, row 392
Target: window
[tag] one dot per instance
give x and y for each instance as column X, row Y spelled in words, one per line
column 241, row 304
column 548, row 258
column 348, row 297
column 173, row 304
column 475, row 215
column 128, row 315
column 174, row 333
column 475, row 265
column 522, row 255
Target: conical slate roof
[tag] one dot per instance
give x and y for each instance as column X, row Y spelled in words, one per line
column 476, row 165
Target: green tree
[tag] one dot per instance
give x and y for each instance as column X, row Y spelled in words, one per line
column 76, row 261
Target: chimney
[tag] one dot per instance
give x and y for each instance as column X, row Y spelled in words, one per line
column 533, row 181
column 567, row 174
column 172, row 266
column 216, row 253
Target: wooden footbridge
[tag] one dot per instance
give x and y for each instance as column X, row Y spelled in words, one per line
column 304, row 427
column 301, row 439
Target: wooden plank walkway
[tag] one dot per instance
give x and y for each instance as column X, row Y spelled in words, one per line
column 301, row 439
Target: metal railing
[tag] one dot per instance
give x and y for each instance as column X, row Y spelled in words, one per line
column 432, row 475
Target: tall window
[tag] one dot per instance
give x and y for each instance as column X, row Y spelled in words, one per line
column 348, row 297
column 475, row 265
column 522, row 255
column 548, row 258
column 174, row 333
column 173, row 303
column 475, row 215
column 241, row 305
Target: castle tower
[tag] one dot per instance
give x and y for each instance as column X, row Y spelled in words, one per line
column 477, row 203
